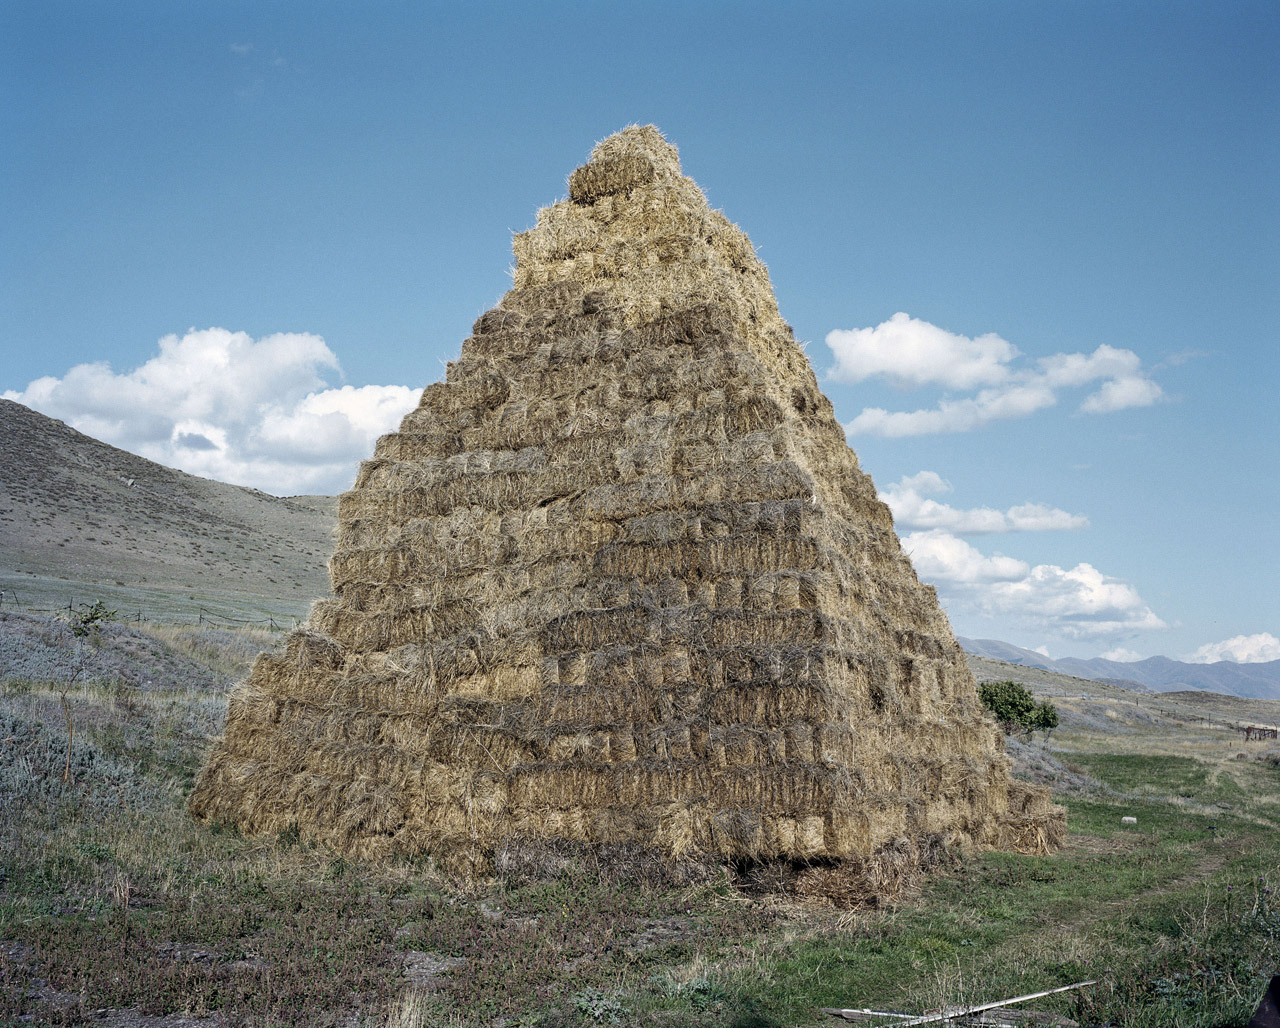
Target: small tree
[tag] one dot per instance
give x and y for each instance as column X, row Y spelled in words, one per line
column 87, row 621
column 1009, row 702
column 1046, row 717
column 86, row 624
column 1015, row 708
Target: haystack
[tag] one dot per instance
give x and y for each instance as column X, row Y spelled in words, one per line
column 619, row 579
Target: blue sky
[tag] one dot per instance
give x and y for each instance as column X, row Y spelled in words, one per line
column 239, row 237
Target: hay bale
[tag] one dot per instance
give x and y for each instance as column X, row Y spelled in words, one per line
column 618, row 586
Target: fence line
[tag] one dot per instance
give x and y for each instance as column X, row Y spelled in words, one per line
column 10, row 600
column 1210, row 721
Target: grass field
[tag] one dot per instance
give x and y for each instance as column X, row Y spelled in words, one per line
column 116, row 909
column 140, row 603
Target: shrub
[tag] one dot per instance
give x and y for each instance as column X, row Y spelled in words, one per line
column 1015, row 708
column 1045, row 717
column 88, row 621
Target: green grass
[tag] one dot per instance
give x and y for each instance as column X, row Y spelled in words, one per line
column 112, row 897
column 1167, row 776
column 1003, row 925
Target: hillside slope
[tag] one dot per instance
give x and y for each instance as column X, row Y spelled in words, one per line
column 75, row 508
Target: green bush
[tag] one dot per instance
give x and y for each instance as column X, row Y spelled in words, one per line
column 88, row 621
column 1046, row 716
column 1015, row 708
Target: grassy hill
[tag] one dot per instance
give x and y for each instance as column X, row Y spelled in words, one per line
column 79, row 518
column 1082, row 700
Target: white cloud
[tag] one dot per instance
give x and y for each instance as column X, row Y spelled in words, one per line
column 1040, row 517
column 344, row 420
column 907, row 499
column 1078, row 369
column 940, row 556
column 220, row 404
column 953, row 415
column 1121, row 393
column 1121, row 655
column 911, row 353
column 1243, row 649
column 1079, row 602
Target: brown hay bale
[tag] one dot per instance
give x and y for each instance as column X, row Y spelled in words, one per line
column 619, row 587
column 610, row 175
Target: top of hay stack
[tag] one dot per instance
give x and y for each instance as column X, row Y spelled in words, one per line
column 620, row 581
column 630, row 158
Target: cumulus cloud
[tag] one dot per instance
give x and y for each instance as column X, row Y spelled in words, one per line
column 1121, row 655
column 1079, row 602
column 1243, row 649
column 915, row 353
column 1078, row 369
column 1120, row 393
column 911, row 353
column 954, row 415
column 220, row 404
column 907, row 498
column 940, row 556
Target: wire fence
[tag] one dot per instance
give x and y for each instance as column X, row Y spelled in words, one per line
column 1249, row 729
column 10, row 599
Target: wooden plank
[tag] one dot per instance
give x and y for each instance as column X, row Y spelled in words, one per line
column 954, row 1012
column 955, row 1015
column 1002, row 1017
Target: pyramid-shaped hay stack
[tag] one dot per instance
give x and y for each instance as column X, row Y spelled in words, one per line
column 619, row 579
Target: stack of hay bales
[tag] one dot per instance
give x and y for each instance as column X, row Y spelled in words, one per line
column 619, row 579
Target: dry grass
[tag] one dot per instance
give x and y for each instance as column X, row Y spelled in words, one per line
column 112, row 898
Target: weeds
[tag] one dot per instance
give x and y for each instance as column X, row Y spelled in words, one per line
column 1210, row 970
column 110, row 897
column 599, row 1007
column 38, row 648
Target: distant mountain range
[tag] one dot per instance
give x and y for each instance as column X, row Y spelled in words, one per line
column 1259, row 681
